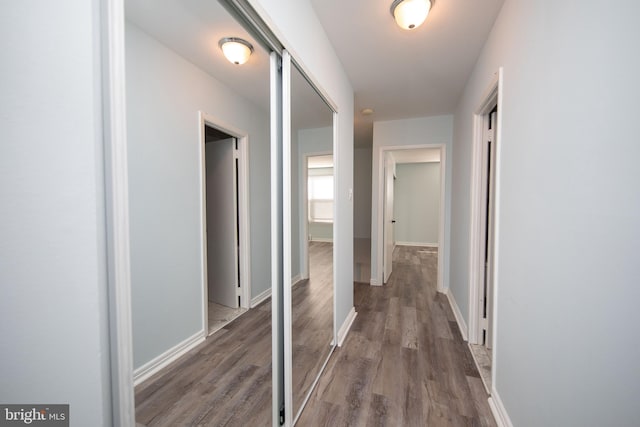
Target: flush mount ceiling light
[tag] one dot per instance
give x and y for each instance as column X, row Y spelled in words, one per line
column 236, row 50
column 410, row 14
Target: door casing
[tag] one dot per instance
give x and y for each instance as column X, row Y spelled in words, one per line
column 243, row 212
column 491, row 97
column 377, row 250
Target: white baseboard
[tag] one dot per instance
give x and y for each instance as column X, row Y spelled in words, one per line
column 498, row 410
column 321, row 239
column 297, row 278
column 346, row 326
column 428, row 245
column 260, row 298
column 458, row 315
column 374, row 282
column 150, row 368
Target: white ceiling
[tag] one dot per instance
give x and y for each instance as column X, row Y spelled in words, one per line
column 192, row 29
column 399, row 73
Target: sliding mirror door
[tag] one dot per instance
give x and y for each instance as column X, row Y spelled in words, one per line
column 199, row 135
column 309, row 299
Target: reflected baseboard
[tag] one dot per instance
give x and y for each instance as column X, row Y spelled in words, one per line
column 346, row 326
column 260, row 298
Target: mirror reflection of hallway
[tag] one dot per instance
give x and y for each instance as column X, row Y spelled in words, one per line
column 312, row 246
column 179, row 92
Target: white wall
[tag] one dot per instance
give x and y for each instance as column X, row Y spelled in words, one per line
column 165, row 198
column 569, row 234
column 416, row 203
column 296, row 24
column 362, row 193
column 53, row 320
column 419, row 131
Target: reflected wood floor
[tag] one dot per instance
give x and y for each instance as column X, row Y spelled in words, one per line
column 404, row 362
column 312, row 329
column 226, row 381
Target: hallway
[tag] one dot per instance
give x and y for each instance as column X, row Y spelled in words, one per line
column 404, row 362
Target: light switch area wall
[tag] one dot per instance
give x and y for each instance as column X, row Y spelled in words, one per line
column 362, row 193
column 417, row 203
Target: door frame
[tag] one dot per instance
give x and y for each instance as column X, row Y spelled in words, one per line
column 491, row 97
column 442, row 222
column 387, row 161
column 242, row 195
column 114, row 100
column 304, row 210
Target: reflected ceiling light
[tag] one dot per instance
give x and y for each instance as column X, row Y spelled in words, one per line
column 367, row 111
column 410, row 14
column 236, row 50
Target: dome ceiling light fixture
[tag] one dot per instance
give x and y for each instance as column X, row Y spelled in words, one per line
column 410, row 14
column 235, row 49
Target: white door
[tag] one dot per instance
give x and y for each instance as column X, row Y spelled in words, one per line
column 389, row 238
column 222, row 247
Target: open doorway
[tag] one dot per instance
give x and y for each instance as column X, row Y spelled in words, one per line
column 483, row 254
column 412, row 207
column 225, row 286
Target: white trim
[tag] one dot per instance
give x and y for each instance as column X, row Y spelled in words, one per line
column 117, row 212
column 374, row 282
column 275, row 108
column 377, row 250
column 496, row 232
column 458, row 314
column 296, row 279
column 321, row 239
column 492, row 96
column 243, row 211
column 286, row 235
column 346, row 326
column 498, row 410
column 153, row 366
column 260, row 298
column 428, row 245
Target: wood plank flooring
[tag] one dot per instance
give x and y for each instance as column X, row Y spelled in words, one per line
column 312, row 329
column 404, row 363
column 220, row 315
column 226, row 381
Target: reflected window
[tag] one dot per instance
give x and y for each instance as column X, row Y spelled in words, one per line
column 320, row 190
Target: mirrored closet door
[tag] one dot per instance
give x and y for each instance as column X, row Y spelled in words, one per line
column 308, row 303
column 200, row 127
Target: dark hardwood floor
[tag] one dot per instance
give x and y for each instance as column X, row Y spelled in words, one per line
column 404, row 362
